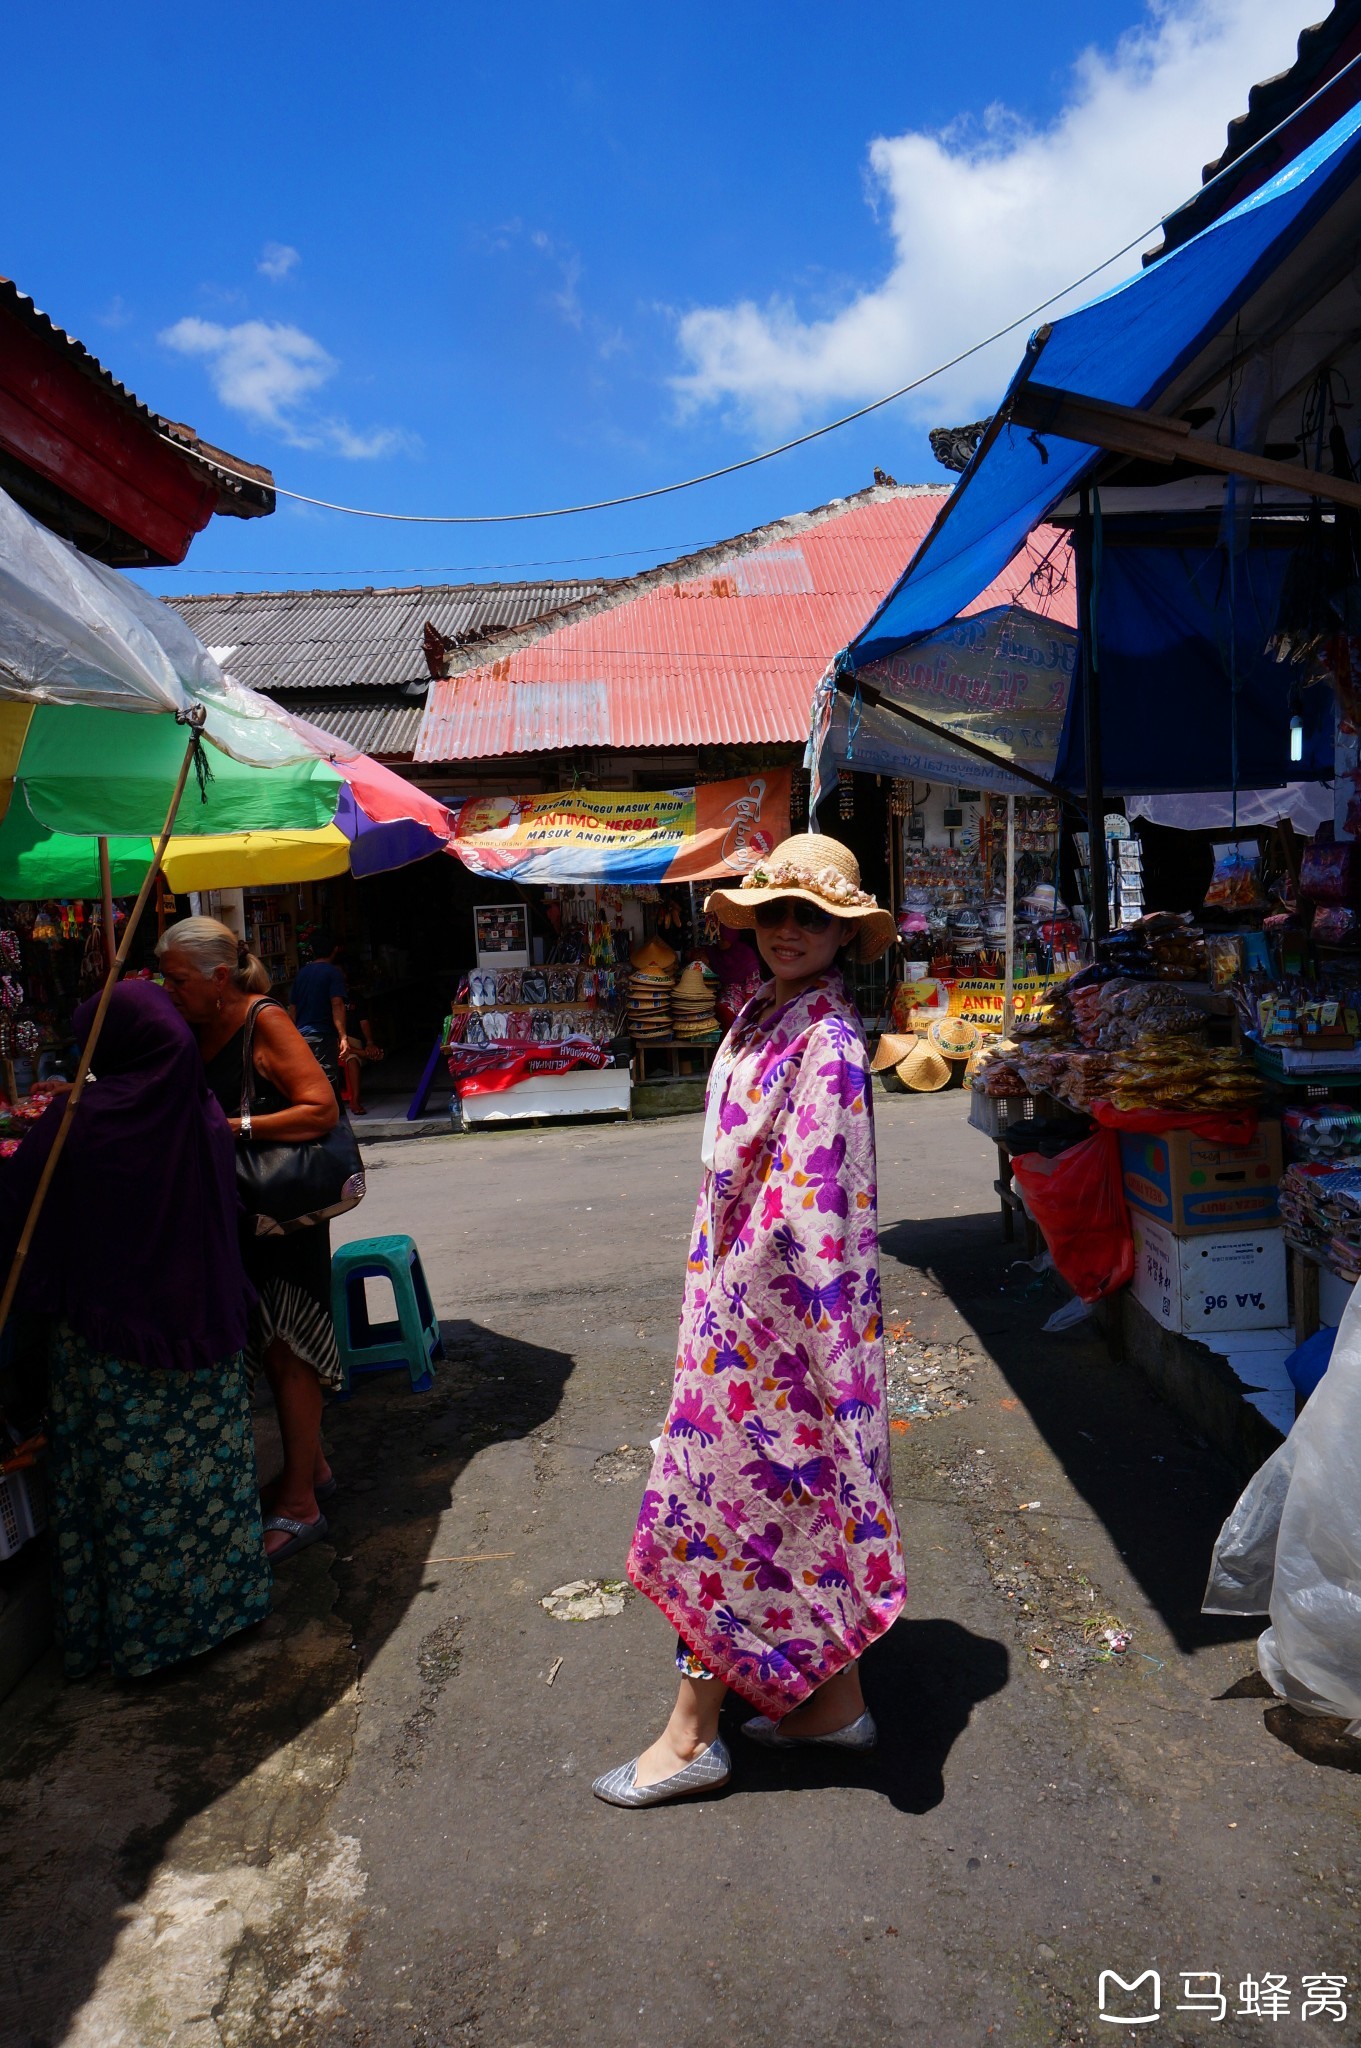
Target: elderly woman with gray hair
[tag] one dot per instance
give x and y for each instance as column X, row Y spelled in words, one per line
column 220, row 988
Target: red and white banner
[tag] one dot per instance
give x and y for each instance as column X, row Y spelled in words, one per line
column 490, row 1069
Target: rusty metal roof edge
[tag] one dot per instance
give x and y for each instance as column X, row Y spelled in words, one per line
column 184, row 438
column 789, row 527
column 1268, row 108
column 294, row 590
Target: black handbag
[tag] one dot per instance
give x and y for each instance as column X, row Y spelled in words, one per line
column 286, row 1186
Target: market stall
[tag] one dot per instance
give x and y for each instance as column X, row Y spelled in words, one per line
column 602, row 968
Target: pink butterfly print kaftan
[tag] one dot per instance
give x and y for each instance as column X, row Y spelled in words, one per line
column 767, row 1534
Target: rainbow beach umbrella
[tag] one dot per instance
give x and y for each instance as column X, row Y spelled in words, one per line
column 70, row 776
column 119, row 730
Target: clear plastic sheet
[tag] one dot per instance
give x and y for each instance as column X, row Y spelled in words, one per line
column 68, row 632
column 1292, row 1546
column 73, row 631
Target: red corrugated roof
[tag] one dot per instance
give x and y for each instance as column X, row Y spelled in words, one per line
column 724, row 648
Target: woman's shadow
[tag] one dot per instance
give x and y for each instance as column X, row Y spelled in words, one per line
column 922, row 1683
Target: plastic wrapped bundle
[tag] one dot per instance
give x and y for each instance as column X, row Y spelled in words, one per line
column 1292, row 1547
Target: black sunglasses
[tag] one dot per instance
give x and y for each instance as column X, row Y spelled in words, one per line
column 807, row 916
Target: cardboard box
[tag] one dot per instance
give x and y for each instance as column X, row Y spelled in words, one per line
column 1192, row 1186
column 1230, row 1280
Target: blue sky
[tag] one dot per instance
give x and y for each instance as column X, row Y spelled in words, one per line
column 483, row 259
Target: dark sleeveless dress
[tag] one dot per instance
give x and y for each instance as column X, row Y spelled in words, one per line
column 290, row 1274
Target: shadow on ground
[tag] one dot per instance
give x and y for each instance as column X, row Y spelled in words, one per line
column 223, row 1768
column 922, row 1682
column 1162, row 1494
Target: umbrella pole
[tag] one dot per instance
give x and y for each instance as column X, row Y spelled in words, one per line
column 106, row 901
column 83, row 1070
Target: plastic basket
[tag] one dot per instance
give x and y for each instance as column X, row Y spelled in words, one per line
column 23, row 1509
column 994, row 1113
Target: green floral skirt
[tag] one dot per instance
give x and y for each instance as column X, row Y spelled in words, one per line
column 155, row 1514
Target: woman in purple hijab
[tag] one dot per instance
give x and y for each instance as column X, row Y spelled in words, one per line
column 157, row 1546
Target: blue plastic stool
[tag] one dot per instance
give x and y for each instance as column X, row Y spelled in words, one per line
column 413, row 1340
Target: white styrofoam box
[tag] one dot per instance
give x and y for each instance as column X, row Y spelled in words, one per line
column 1223, row 1280
column 1257, row 1360
column 1277, row 1404
column 585, row 1091
column 1333, row 1295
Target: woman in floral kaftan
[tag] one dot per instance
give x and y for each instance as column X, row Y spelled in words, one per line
column 767, row 1534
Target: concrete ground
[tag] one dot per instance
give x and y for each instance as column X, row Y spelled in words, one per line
column 371, row 1825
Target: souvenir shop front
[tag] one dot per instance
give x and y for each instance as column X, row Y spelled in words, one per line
column 595, row 967
column 963, row 732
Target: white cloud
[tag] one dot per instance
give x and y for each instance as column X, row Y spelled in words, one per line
column 990, row 216
column 276, row 260
column 565, row 260
column 268, row 371
column 259, row 367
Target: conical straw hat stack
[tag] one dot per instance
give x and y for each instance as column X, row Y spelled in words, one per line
column 692, row 1006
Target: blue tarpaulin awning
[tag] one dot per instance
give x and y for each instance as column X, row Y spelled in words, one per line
column 1230, row 333
column 1183, row 321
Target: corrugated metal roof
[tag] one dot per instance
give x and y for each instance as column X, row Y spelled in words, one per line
column 341, row 639
column 384, row 727
column 245, row 497
column 725, row 648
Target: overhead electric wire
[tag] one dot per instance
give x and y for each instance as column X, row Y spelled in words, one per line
column 688, row 483
column 665, row 548
column 815, row 433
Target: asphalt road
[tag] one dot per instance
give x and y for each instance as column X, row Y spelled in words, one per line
column 372, row 1826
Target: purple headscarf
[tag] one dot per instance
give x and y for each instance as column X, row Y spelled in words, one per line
column 137, row 1245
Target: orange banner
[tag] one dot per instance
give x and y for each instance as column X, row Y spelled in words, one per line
column 736, row 824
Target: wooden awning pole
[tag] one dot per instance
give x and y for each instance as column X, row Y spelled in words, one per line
column 106, row 901
column 1009, row 984
column 35, row 1207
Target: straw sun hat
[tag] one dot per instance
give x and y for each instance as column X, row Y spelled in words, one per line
column 915, row 1061
column 819, row 870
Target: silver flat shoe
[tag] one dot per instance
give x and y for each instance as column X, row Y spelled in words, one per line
column 710, row 1769
column 861, row 1734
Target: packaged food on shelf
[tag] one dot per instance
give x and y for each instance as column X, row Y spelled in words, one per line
column 1180, row 1074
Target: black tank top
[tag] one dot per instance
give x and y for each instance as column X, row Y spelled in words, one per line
column 224, row 1075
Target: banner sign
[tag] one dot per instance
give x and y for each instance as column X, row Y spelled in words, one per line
column 1001, row 680
column 976, row 1001
column 702, row 834
column 490, row 1070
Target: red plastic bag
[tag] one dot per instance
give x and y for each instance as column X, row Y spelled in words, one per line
column 1078, row 1201
column 1215, row 1126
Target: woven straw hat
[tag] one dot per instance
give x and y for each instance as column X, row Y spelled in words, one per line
column 956, row 1037
column 892, row 1047
column 924, row 1069
column 819, row 870
column 692, row 986
column 655, row 955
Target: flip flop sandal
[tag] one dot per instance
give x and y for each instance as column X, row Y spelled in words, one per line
column 327, row 1488
column 301, row 1535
